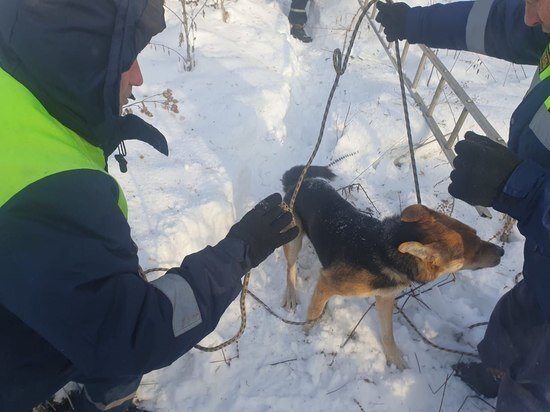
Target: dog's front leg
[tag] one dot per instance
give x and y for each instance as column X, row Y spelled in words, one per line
column 289, row 299
column 291, row 250
column 384, row 308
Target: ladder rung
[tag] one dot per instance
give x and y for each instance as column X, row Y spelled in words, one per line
column 419, row 71
column 456, row 129
column 437, row 94
column 404, row 52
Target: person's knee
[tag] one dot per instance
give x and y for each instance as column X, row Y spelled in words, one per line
column 297, row 16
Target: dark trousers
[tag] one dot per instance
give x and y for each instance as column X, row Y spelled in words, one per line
column 112, row 395
column 297, row 14
column 38, row 371
column 517, row 341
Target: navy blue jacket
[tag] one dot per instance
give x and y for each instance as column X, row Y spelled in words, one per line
column 72, row 304
column 496, row 28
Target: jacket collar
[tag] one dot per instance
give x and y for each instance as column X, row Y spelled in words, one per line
column 71, row 59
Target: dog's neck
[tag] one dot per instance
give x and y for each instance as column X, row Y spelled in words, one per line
column 395, row 232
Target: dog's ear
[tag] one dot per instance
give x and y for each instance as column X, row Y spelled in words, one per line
column 427, row 253
column 415, row 213
column 417, row 249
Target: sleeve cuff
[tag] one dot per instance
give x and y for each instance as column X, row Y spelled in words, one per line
column 525, row 178
column 412, row 25
column 238, row 250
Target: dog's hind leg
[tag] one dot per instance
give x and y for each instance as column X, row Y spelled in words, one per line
column 384, row 308
column 291, row 250
column 322, row 293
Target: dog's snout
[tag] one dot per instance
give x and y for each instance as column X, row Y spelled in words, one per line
column 500, row 251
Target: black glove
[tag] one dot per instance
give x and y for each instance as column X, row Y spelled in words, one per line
column 261, row 228
column 482, row 167
column 393, row 16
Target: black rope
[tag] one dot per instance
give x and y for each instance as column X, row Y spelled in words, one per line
column 407, row 121
column 340, row 67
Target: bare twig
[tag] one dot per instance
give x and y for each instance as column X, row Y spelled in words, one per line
column 187, row 34
column 358, row 186
column 475, row 325
column 444, row 389
column 337, row 389
column 339, row 159
column 344, row 126
column 475, row 397
column 225, row 359
column 358, row 405
column 285, row 361
column 356, row 326
column 169, row 49
column 418, row 363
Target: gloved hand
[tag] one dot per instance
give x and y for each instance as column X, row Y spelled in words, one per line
column 393, row 16
column 261, row 228
column 482, row 167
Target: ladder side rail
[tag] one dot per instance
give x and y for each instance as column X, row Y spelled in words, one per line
column 466, row 100
column 436, row 130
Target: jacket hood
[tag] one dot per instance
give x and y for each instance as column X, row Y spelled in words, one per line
column 71, row 53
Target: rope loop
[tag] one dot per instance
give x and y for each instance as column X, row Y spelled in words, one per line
column 337, row 62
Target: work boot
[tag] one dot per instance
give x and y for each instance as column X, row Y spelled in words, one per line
column 480, row 379
column 297, row 31
column 64, row 405
column 135, row 408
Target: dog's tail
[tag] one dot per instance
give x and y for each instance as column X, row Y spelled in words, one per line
column 291, row 176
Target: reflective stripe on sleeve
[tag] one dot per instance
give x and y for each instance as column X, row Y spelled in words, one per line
column 186, row 310
column 475, row 27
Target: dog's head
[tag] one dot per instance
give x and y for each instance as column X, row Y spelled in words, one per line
column 446, row 245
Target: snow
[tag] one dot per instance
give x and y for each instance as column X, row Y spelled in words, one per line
column 250, row 110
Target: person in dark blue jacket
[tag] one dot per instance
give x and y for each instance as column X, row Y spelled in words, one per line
column 513, row 180
column 73, row 306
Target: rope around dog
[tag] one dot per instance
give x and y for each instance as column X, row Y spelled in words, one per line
column 340, row 67
column 290, row 322
column 430, row 343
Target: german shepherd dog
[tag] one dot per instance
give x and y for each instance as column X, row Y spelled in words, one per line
column 363, row 256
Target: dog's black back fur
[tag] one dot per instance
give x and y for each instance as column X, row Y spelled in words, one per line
column 291, row 176
column 341, row 233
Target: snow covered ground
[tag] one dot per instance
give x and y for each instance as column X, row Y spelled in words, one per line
column 250, row 110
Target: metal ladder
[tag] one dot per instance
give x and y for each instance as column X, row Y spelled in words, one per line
column 469, row 107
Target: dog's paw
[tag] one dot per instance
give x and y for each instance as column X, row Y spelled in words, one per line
column 396, row 358
column 307, row 328
column 290, row 301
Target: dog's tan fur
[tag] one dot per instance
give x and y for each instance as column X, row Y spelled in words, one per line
column 447, row 245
